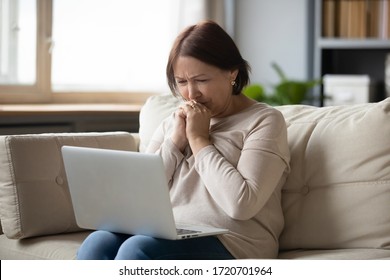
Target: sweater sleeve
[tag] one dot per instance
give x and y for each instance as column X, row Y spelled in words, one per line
column 162, row 144
column 242, row 190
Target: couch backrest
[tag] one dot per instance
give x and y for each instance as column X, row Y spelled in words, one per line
column 156, row 109
column 338, row 192
column 34, row 195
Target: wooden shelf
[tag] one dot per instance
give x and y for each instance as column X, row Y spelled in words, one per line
column 46, row 118
column 352, row 52
column 337, row 43
column 60, row 109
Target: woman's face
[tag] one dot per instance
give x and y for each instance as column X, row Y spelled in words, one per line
column 204, row 83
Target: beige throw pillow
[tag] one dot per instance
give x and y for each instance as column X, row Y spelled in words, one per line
column 34, row 195
column 338, row 192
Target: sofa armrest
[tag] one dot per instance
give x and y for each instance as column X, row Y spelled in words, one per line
column 34, row 195
column 137, row 140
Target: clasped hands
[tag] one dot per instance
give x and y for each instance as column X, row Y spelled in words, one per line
column 191, row 126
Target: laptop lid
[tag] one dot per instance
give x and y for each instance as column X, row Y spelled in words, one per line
column 122, row 191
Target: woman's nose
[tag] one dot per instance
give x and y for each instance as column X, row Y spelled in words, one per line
column 193, row 92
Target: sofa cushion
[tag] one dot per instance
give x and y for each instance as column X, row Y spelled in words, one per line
column 53, row 247
column 155, row 109
column 34, row 195
column 338, row 192
column 337, row 254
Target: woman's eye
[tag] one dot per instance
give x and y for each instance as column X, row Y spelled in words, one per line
column 181, row 82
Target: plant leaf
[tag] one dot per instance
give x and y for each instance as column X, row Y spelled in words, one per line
column 255, row 91
column 279, row 71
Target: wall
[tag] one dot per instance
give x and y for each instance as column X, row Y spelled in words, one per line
column 274, row 30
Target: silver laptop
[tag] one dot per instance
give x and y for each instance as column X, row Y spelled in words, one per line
column 124, row 192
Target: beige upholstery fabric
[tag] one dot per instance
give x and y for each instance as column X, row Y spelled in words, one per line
column 34, row 196
column 337, row 254
column 51, row 247
column 338, row 192
column 153, row 112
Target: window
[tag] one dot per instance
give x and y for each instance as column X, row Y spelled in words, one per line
column 116, row 45
column 86, row 50
column 18, row 30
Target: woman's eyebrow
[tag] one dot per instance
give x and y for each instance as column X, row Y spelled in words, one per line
column 192, row 77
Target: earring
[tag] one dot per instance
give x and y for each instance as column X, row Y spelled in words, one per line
column 233, row 83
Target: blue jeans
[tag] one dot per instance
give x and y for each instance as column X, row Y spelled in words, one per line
column 104, row 245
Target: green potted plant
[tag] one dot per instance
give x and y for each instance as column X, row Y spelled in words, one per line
column 284, row 93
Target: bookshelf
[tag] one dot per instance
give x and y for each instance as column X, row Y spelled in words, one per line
column 352, row 37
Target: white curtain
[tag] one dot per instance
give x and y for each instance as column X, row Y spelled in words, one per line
column 193, row 11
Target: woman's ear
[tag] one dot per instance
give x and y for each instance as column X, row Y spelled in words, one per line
column 233, row 74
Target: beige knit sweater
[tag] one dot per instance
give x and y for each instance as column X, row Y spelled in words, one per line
column 234, row 183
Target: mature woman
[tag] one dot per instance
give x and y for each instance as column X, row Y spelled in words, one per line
column 225, row 154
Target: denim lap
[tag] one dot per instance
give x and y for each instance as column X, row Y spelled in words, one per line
column 107, row 245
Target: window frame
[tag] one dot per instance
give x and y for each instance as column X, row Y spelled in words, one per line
column 41, row 91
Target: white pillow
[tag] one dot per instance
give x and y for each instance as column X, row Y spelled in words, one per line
column 155, row 110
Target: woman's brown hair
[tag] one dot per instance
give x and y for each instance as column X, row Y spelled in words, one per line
column 209, row 43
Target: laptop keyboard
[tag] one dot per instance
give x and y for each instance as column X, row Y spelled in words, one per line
column 181, row 231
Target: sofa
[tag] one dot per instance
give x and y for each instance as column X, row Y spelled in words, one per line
column 336, row 200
